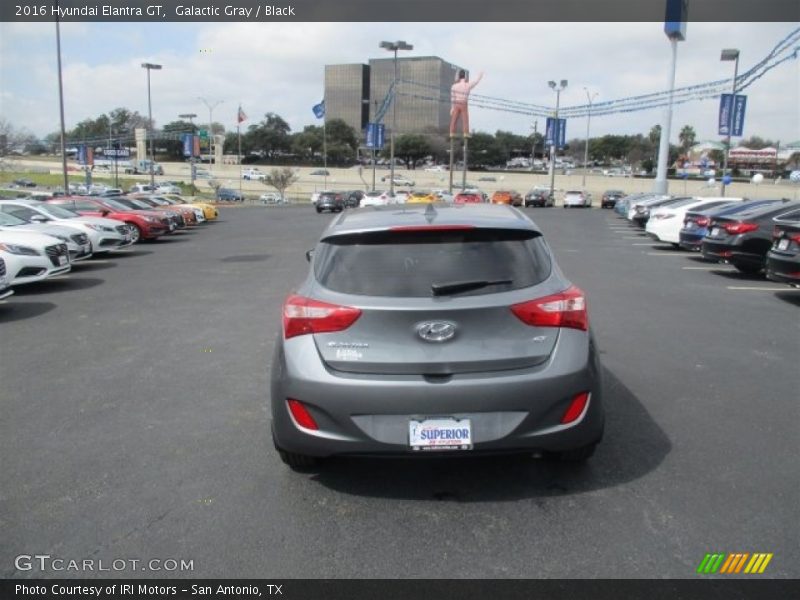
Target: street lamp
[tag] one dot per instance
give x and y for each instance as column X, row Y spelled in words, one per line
column 210, row 106
column 557, row 88
column 590, row 98
column 150, row 67
column 394, row 47
column 189, row 116
column 729, row 54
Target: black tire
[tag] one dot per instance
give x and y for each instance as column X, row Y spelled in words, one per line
column 296, row 462
column 319, row 210
column 748, row 269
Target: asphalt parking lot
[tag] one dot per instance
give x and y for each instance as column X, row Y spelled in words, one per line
column 134, row 423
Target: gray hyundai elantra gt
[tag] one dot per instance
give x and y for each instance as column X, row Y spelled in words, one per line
column 435, row 329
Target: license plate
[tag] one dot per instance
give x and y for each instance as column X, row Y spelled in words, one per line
column 715, row 232
column 690, row 225
column 783, row 244
column 440, row 434
column 62, row 260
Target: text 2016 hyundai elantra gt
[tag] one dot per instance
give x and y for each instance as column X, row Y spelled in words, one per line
column 446, row 329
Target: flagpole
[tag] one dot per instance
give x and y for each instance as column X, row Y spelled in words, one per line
column 325, row 144
column 239, row 151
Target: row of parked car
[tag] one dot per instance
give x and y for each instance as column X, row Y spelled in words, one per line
column 42, row 238
column 754, row 236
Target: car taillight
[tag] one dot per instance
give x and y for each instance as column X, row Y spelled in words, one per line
column 795, row 238
column 301, row 415
column 737, row 228
column 576, row 408
column 303, row 315
column 703, row 221
column 565, row 309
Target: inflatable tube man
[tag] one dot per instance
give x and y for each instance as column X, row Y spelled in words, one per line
column 459, row 101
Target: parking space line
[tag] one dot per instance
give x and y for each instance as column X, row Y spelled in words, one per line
column 645, row 244
column 668, row 253
column 716, row 268
column 762, row 289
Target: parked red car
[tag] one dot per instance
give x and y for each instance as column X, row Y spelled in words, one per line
column 468, row 198
column 145, row 224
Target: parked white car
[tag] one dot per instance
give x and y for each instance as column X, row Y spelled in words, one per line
column 644, row 201
column 77, row 242
column 168, row 188
column 253, row 175
column 104, row 234
column 272, row 198
column 665, row 223
column 5, row 285
column 375, row 198
column 32, row 257
column 577, row 198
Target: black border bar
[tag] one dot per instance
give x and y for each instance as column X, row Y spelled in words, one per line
column 403, row 589
column 394, row 10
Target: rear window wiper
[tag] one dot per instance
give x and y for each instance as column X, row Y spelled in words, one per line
column 455, row 287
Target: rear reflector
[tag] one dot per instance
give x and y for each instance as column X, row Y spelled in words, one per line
column 303, row 315
column 301, row 415
column 566, row 309
column 576, row 408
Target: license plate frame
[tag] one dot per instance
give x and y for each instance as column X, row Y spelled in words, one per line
column 783, row 244
column 440, row 434
column 62, row 260
column 714, row 232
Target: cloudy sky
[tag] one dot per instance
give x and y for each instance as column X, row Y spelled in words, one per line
column 279, row 68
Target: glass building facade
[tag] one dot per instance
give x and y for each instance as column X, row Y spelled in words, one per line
column 354, row 93
column 347, row 94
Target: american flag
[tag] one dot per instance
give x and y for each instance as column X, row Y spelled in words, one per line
column 240, row 116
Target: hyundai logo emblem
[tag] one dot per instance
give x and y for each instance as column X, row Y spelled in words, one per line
column 436, row 331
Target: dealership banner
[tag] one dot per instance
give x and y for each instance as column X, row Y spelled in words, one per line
column 731, row 114
column 556, row 129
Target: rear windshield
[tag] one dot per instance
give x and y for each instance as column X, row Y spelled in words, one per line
column 407, row 264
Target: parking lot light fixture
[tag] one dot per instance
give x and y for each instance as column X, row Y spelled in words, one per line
column 394, row 47
column 557, row 88
column 151, row 67
column 590, row 98
column 729, row 54
column 210, row 106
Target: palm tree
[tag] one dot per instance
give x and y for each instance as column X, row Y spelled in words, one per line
column 687, row 137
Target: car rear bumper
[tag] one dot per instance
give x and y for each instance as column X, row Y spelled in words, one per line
column 783, row 269
column 517, row 410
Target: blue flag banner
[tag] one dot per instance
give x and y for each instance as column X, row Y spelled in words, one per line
column 556, row 132
column 319, row 110
column 187, row 139
column 731, row 114
column 374, row 136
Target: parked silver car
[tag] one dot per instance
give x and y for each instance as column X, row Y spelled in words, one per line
column 435, row 329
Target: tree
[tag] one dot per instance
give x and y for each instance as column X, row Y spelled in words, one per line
column 484, row 150
column 307, row 143
column 342, row 141
column 270, row 136
column 687, row 138
column 411, row 147
column 280, row 179
column 757, row 143
column 655, row 134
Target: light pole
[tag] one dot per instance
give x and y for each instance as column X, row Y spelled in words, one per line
column 728, row 55
column 394, row 47
column 590, row 98
column 557, row 88
column 61, row 109
column 210, row 106
column 189, row 116
column 150, row 67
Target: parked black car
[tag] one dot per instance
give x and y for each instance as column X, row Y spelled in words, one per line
column 331, row 201
column 744, row 238
column 353, row 199
column 610, row 197
column 783, row 260
column 229, row 195
column 539, row 197
column 24, row 183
